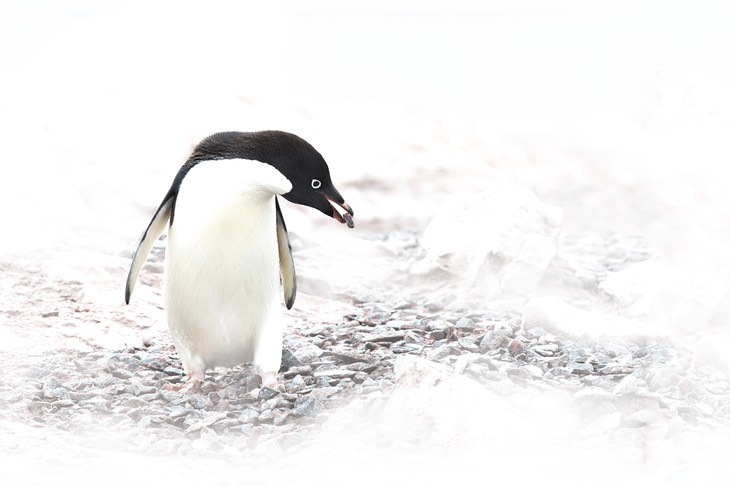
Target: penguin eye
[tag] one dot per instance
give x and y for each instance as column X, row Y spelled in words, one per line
column 316, row 184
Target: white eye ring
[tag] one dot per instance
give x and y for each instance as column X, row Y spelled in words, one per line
column 316, row 184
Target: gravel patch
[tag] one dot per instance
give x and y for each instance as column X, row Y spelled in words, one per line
column 136, row 393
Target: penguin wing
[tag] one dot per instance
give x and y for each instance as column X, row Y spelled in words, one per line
column 286, row 260
column 153, row 231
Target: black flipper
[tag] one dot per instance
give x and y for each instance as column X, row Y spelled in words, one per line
column 286, row 259
column 151, row 234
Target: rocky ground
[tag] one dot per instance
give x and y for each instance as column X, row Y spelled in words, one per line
column 344, row 355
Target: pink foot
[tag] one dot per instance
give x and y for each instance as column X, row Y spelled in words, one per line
column 191, row 384
column 268, row 379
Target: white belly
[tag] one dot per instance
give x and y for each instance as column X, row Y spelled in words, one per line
column 222, row 267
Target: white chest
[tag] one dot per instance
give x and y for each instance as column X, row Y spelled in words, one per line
column 222, row 262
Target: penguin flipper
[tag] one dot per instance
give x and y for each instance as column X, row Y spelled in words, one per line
column 286, row 260
column 151, row 234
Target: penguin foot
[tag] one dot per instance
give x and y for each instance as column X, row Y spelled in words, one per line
column 268, row 379
column 193, row 383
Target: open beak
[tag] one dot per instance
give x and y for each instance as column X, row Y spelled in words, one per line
column 344, row 216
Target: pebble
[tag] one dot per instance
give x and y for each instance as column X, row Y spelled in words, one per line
column 515, row 347
column 206, row 422
column 266, row 416
column 248, row 416
column 401, row 324
column 308, row 406
column 580, row 368
column 297, row 370
column 348, row 356
column 546, row 349
column 503, row 328
column 439, row 353
column 266, row 393
column 308, row 352
column 534, row 371
column 334, row 373
column 289, row 360
column 464, row 324
column 169, row 370
column 535, row 332
column 390, row 336
column 493, row 340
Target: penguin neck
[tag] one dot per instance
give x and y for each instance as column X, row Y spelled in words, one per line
column 233, row 178
column 223, row 193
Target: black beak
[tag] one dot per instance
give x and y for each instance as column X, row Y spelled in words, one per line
column 344, row 217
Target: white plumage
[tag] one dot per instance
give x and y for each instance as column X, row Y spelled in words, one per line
column 222, row 267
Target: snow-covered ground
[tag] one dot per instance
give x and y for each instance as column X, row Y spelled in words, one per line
column 616, row 115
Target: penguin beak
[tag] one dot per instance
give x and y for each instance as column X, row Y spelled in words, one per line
column 342, row 217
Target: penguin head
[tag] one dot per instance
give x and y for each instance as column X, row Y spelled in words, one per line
column 294, row 157
column 312, row 186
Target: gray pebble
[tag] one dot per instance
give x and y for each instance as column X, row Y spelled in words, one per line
column 266, row 393
column 308, row 353
column 122, row 373
column 178, row 411
column 289, row 360
column 308, row 406
column 248, row 416
column 152, row 363
column 546, row 349
column 492, row 341
column 535, row 332
column 170, row 370
column 503, row 328
column 468, row 343
column 534, row 371
column 266, row 416
column 324, row 392
column 439, row 353
column 369, row 382
column 295, row 385
column 298, row 370
column 580, row 368
column 402, row 347
column 139, row 389
column 335, row 373
column 275, row 403
column 464, row 324
column 391, row 337
column 401, row 324
column 344, row 356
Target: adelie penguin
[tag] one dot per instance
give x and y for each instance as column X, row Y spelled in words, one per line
column 228, row 249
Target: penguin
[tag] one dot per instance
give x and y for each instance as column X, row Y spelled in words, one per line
column 228, row 252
